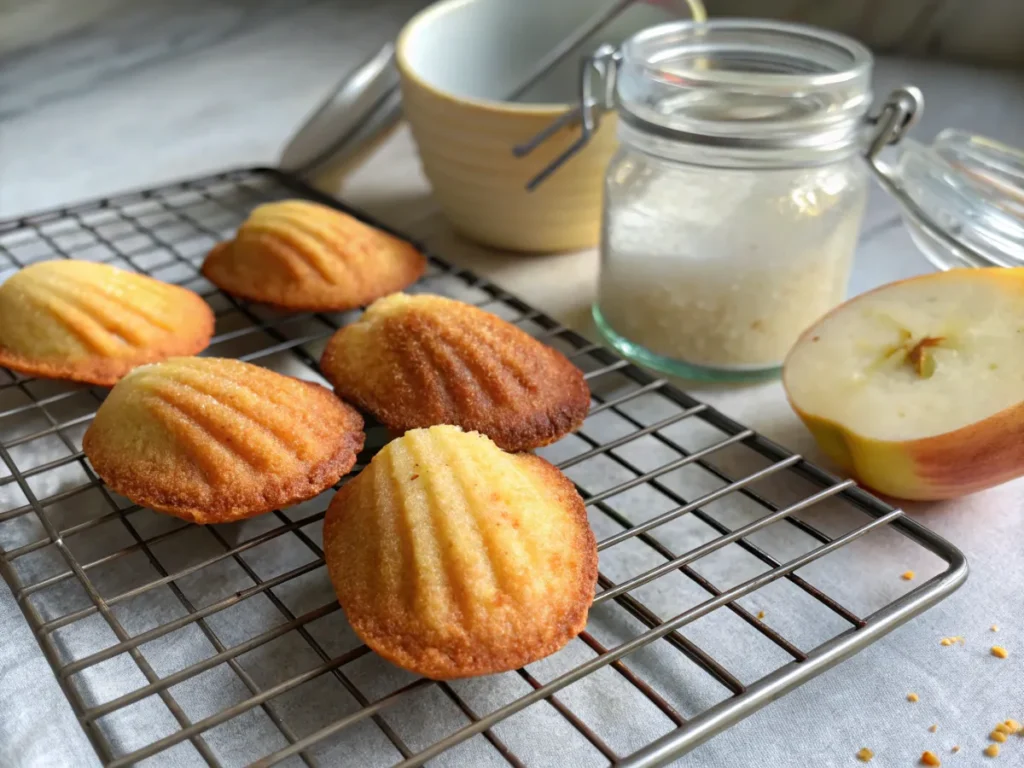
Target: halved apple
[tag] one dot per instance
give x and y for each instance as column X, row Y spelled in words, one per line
column 916, row 389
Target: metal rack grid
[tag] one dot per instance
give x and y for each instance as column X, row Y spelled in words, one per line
column 223, row 645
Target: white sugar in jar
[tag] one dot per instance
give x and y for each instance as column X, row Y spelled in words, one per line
column 724, row 272
column 732, row 208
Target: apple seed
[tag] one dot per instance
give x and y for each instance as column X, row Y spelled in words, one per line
column 918, row 356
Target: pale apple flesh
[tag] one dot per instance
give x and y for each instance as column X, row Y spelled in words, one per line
column 916, row 389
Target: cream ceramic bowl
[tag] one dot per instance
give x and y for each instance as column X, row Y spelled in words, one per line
column 457, row 60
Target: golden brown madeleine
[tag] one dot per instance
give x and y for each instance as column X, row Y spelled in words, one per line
column 452, row 558
column 416, row 361
column 300, row 255
column 93, row 323
column 213, row 440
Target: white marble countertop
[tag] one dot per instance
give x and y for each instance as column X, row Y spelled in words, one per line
column 232, row 100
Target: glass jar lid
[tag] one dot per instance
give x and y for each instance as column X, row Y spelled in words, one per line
column 963, row 197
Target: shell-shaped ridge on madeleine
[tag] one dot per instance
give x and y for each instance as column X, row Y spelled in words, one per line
column 93, row 322
column 297, row 254
column 213, row 440
column 417, row 361
column 453, row 558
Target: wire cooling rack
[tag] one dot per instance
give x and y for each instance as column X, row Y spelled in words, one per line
column 730, row 568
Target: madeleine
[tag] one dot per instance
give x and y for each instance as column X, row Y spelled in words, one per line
column 93, row 323
column 212, row 440
column 452, row 558
column 299, row 255
column 417, row 361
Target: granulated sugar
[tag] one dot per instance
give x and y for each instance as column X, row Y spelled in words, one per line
column 729, row 273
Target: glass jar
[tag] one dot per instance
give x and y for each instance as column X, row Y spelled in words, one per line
column 732, row 208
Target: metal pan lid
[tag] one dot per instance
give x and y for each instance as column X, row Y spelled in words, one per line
column 363, row 104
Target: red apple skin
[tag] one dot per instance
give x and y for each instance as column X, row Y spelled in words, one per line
column 974, row 457
column 946, row 466
column 953, row 464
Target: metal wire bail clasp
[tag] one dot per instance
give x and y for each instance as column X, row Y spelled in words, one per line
column 900, row 111
column 597, row 73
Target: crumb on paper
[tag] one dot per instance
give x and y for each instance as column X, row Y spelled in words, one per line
column 907, row 575
column 956, row 748
column 999, row 652
column 913, row 697
column 997, row 736
column 760, row 615
column 1009, row 728
column 864, row 755
column 955, row 640
column 992, row 750
column 930, row 758
column 994, row 628
column 933, row 727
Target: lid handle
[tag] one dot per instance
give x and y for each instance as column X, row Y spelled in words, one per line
column 900, row 111
column 597, row 70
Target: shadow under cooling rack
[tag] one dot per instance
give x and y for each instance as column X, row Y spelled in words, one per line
column 729, row 566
